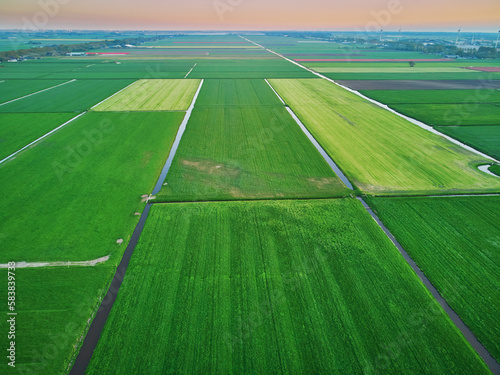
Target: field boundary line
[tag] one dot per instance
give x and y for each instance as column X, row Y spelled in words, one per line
column 175, row 145
column 42, row 137
column 315, row 143
column 116, row 93
column 57, row 264
column 194, row 66
column 38, row 92
column 455, row 318
column 278, row 95
column 383, row 106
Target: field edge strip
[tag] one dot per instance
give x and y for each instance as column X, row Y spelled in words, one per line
column 455, row 318
column 85, row 263
column 41, row 138
column 383, row 106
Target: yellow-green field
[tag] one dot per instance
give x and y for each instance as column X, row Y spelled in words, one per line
column 379, row 151
column 153, row 95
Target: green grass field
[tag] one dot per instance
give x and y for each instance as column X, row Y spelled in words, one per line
column 465, row 113
column 83, row 185
column 239, row 149
column 292, row 287
column 380, row 152
column 76, row 96
column 407, row 69
column 469, row 97
column 19, row 129
column 459, row 253
column 482, row 138
column 10, row 90
column 53, row 306
column 153, row 95
column 236, row 92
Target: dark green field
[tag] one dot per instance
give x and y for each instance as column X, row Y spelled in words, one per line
column 76, row 96
column 459, row 253
column 19, row 129
column 53, row 306
column 452, row 114
column 291, row 287
column 14, row 89
column 469, row 97
column 483, row 138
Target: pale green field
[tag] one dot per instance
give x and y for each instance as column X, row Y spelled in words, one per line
column 380, row 152
column 390, row 70
column 153, row 95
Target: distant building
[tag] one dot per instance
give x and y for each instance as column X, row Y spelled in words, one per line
column 12, row 60
column 76, row 54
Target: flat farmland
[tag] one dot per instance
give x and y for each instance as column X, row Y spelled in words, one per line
column 241, row 149
column 465, row 113
column 153, row 95
column 14, row 89
column 77, row 96
column 483, row 138
column 83, row 184
column 233, row 153
column 469, row 97
column 360, row 137
column 53, row 314
column 460, row 253
column 277, row 287
column 19, row 129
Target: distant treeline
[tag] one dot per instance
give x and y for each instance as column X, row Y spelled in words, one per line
column 481, row 53
column 62, row 49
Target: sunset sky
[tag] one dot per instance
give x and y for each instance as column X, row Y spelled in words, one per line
column 362, row 15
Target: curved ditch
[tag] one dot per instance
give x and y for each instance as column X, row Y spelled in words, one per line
column 486, row 169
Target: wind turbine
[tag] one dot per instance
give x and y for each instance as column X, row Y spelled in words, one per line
column 458, row 36
column 498, row 37
column 399, row 34
column 381, row 31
